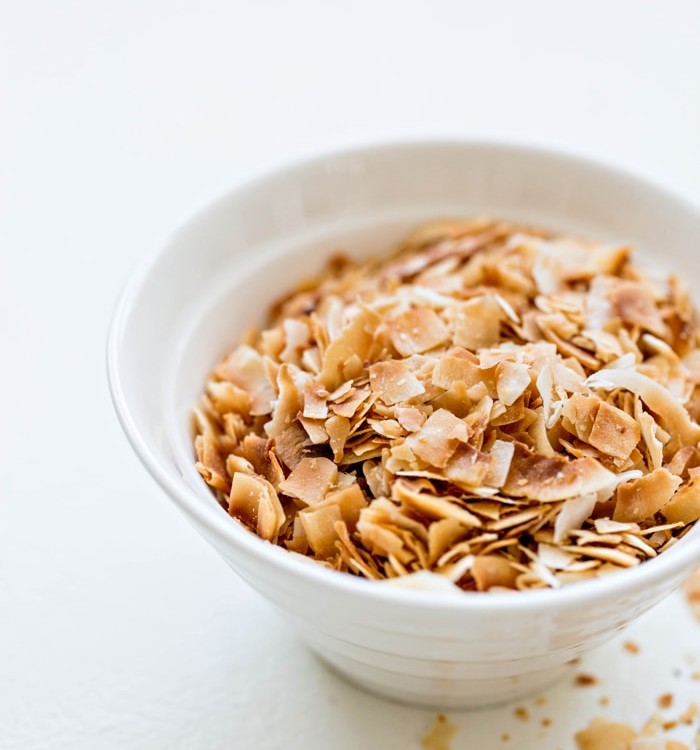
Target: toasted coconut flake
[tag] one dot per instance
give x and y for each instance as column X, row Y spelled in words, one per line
column 442, row 535
column 291, row 443
column 684, row 506
column 654, row 395
column 410, row 418
column 501, row 453
column 288, row 404
column 210, row 462
column 315, row 401
column 457, row 366
column 338, row 429
column 417, row 331
column 310, row 480
column 643, row 497
column 352, row 341
column 478, row 323
column 468, row 467
column 493, row 570
column 432, row 506
column 393, row 382
column 614, row 432
column 547, row 479
column 319, row 524
column 253, row 501
column 245, row 368
column 512, row 380
column 572, row 515
column 438, row 438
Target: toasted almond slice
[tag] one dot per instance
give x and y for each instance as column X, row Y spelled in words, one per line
column 417, row 331
column 644, row 497
column 310, row 480
column 253, row 501
column 393, row 382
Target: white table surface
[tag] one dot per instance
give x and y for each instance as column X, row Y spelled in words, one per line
column 119, row 627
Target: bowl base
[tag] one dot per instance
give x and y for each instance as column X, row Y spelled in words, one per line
column 443, row 693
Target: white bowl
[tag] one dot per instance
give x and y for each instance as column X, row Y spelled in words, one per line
column 187, row 305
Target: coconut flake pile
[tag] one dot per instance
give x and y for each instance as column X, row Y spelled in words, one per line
column 492, row 407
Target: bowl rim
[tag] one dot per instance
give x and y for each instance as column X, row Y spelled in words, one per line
column 229, row 533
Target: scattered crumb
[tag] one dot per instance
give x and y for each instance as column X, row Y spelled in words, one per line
column 505, row 737
column 575, row 661
column 692, row 593
column 540, row 700
column 440, row 734
column 585, row 680
column 546, row 722
column 631, row 646
column 522, row 713
column 667, row 726
column 604, row 700
column 695, row 675
column 690, row 714
column 602, row 734
column 665, row 700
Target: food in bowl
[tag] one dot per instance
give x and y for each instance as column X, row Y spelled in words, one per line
column 492, row 406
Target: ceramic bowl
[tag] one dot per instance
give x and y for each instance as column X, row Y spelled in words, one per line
column 189, row 302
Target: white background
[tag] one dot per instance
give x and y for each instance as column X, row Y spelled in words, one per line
column 119, row 627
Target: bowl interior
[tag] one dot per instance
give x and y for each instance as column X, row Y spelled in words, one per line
column 221, row 271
